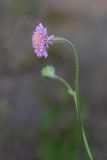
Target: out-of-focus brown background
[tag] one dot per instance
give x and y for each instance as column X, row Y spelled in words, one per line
column 26, row 98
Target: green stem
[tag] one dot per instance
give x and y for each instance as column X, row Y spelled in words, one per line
column 75, row 96
column 70, row 90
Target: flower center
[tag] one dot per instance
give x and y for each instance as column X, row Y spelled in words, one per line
column 38, row 38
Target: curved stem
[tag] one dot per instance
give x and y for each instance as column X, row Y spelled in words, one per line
column 70, row 90
column 75, row 96
column 63, row 81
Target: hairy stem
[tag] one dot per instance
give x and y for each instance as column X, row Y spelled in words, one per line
column 75, row 96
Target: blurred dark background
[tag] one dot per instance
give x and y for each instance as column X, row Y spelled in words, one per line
column 37, row 117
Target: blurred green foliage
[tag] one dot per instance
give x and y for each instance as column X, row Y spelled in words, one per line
column 59, row 143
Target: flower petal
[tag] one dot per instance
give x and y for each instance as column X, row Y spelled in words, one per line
column 41, row 41
column 45, row 54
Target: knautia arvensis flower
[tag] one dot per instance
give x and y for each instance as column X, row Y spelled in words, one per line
column 41, row 41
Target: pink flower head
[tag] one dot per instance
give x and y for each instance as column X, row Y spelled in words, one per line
column 41, row 41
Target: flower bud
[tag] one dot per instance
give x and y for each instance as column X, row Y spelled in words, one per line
column 48, row 71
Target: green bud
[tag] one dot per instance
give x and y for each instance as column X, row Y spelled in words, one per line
column 48, row 71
